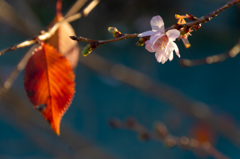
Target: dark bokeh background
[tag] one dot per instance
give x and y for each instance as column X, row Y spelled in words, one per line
column 98, row 98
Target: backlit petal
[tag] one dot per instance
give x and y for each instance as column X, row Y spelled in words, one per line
column 159, row 54
column 173, row 34
column 157, row 24
column 164, row 59
column 171, row 56
column 166, row 56
column 174, row 45
column 146, row 33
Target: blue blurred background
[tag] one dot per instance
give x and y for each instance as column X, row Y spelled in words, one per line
column 85, row 132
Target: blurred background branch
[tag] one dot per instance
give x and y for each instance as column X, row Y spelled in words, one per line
column 18, row 113
column 169, row 95
column 161, row 134
column 233, row 52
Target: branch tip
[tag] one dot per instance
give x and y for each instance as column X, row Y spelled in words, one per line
column 73, row 37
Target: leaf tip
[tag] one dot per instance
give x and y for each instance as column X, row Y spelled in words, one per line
column 55, row 125
column 57, row 132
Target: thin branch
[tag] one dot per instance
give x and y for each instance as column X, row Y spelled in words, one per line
column 168, row 95
column 205, row 18
column 17, row 70
column 100, row 42
column 42, row 37
column 51, row 31
column 90, row 7
column 75, row 8
column 212, row 59
column 201, row 20
column 161, row 134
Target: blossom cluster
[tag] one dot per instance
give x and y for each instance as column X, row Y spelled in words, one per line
column 161, row 42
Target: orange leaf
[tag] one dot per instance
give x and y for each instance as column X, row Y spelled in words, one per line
column 49, row 83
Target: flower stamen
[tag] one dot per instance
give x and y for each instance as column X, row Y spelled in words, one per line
column 162, row 42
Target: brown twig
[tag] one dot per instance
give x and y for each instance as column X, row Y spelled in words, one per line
column 52, row 30
column 42, row 37
column 161, row 134
column 212, row 59
column 206, row 17
column 196, row 21
column 100, row 42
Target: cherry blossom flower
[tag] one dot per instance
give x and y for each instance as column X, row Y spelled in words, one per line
column 160, row 42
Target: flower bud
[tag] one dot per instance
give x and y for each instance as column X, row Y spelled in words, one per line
column 191, row 17
column 142, row 41
column 196, row 27
column 115, row 32
column 87, row 50
column 177, row 16
column 185, row 41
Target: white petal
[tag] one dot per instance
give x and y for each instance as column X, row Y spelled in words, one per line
column 164, row 59
column 174, row 45
column 157, row 24
column 149, row 48
column 168, row 53
column 146, row 33
column 159, row 55
column 166, row 56
column 173, row 34
column 171, row 56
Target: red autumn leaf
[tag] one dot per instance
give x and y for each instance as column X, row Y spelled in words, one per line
column 49, row 83
column 61, row 41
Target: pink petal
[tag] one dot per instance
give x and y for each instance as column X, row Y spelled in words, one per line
column 147, row 42
column 146, row 33
column 174, row 45
column 173, row 34
column 157, row 24
column 155, row 47
column 155, row 37
column 149, row 48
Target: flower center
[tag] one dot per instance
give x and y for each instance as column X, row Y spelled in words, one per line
column 162, row 42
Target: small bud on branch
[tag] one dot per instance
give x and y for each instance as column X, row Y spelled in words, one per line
column 115, row 32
